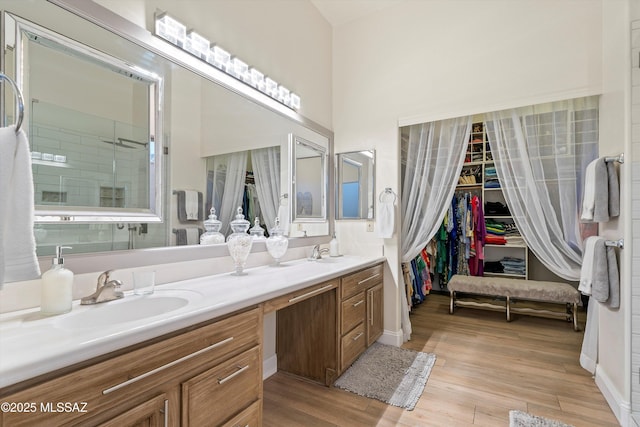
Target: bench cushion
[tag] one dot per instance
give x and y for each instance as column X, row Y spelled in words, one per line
column 515, row 288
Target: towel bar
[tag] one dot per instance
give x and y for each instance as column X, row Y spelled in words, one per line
column 619, row 159
column 615, row 243
column 18, row 95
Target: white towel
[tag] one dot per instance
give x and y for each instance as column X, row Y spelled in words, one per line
column 589, row 194
column 283, row 215
column 193, row 236
column 191, row 205
column 385, row 217
column 601, row 199
column 589, row 351
column 18, row 260
column 588, row 262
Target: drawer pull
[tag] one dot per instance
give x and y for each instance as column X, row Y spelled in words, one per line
column 163, row 367
column 165, row 412
column 368, row 278
column 357, row 337
column 358, row 303
column 236, row 373
column 316, row 291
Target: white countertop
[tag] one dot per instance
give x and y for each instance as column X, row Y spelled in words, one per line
column 32, row 345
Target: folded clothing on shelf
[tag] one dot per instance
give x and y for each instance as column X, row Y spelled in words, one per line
column 496, row 208
column 507, row 265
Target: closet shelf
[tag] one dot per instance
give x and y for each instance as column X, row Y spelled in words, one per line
column 469, row 185
column 508, row 245
column 472, row 163
column 521, row 276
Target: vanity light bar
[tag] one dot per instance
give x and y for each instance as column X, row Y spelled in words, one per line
column 176, row 33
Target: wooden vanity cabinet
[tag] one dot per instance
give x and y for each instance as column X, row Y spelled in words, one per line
column 206, row 374
column 361, row 313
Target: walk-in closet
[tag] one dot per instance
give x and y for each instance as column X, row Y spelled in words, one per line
column 512, row 195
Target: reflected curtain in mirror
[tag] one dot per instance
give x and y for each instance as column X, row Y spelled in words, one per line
column 266, row 172
column 226, row 176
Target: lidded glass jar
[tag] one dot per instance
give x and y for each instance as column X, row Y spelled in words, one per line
column 212, row 235
column 239, row 242
column 277, row 243
column 256, row 231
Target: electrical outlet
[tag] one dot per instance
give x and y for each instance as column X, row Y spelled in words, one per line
column 370, row 226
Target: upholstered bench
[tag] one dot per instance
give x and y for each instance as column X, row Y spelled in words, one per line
column 518, row 289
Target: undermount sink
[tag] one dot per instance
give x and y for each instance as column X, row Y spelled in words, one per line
column 129, row 309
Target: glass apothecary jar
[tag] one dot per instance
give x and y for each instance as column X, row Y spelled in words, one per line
column 277, row 243
column 239, row 242
column 212, row 234
column 256, row 231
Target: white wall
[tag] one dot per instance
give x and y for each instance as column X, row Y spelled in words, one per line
column 287, row 40
column 613, row 374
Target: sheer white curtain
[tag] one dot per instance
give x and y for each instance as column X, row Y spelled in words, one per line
column 432, row 164
column 229, row 173
column 541, row 153
column 434, row 157
column 266, row 172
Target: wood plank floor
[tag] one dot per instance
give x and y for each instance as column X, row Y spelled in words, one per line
column 485, row 367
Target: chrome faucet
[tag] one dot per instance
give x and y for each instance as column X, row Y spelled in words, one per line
column 316, row 253
column 106, row 290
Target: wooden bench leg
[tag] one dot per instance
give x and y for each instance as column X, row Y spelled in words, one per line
column 508, row 307
column 451, row 301
column 575, row 317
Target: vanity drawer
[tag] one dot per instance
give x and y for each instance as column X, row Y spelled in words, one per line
column 353, row 344
column 300, row 295
column 223, row 389
column 353, row 312
column 127, row 378
column 361, row 280
column 250, row 417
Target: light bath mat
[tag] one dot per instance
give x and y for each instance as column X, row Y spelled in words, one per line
column 523, row 419
column 393, row 375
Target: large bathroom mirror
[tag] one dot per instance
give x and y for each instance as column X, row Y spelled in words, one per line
column 94, row 126
column 198, row 116
column 355, row 185
column 309, row 180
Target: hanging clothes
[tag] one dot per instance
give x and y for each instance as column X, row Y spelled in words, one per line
column 461, row 238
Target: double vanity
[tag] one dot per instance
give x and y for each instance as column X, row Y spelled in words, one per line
column 192, row 352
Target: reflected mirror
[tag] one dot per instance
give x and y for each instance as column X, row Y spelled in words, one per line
column 355, row 185
column 309, row 180
column 94, row 129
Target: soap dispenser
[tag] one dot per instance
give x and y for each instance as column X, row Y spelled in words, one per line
column 333, row 246
column 57, row 286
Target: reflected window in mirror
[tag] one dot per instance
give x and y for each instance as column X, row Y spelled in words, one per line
column 309, row 180
column 355, row 190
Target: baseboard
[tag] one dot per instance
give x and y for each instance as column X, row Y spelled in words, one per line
column 621, row 408
column 391, row 338
column 269, row 366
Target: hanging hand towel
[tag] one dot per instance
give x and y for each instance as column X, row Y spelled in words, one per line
column 588, row 261
column 187, row 236
column 606, row 281
column 18, row 260
column 283, row 215
column 190, row 205
column 385, row 217
column 193, row 236
column 601, row 198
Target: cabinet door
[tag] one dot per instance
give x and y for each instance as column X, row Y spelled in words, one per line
column 220, row 393
column 374, row 314
column 152, row 413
